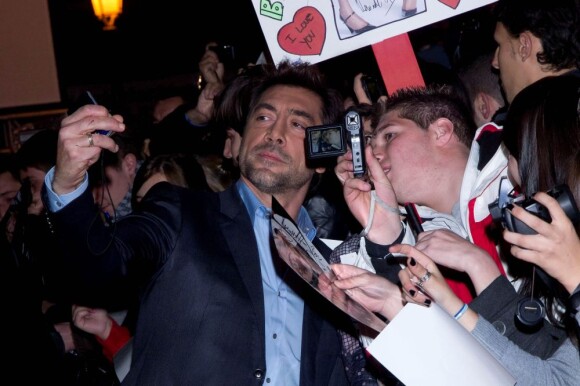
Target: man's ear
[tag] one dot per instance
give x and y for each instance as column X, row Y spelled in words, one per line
column 482, row 106
column 442, row 130
column 227, row 151
column 320, row 170
column 130, row 164
column 525, row 49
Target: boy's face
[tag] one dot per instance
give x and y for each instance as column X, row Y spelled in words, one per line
column 405, row 152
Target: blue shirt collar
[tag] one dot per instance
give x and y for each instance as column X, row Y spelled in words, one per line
column 253, row 204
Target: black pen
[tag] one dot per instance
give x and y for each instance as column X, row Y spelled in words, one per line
column 413, row 219
column 107, row 133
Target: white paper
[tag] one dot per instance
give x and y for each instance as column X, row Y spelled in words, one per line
column 425, row 346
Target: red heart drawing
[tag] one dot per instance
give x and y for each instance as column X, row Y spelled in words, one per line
column 451, row 3
column 305, row 35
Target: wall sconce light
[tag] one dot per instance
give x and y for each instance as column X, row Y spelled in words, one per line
column 107, row 12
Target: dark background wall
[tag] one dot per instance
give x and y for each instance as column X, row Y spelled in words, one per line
column 152, row 39
column 154, row 51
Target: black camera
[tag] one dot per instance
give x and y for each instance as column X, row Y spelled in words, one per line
column 500, row 209
column 326, row 142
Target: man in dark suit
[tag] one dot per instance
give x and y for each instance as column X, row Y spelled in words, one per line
column 218, row 306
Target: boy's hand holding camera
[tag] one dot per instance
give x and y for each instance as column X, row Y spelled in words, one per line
column 555, row 247
column 386, row 224
column 79, row 146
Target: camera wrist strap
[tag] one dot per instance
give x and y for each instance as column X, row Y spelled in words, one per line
column 377, row 200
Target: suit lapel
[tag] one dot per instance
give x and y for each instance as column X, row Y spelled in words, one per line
column 239, row 233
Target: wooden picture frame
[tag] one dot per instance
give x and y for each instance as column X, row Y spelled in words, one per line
column 18, row 127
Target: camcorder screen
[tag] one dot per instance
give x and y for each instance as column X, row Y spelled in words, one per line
column 325, row 141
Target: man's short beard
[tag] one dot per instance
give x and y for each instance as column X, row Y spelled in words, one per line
column 267, row 181
column 271, row 183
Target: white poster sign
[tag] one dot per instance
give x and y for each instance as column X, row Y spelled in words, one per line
column 313, row 31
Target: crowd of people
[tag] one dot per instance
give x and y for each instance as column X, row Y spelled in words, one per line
column 158, row 251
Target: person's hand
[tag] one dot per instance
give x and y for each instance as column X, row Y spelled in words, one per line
column 79, row 146
column 374, row 292
column 212, row 71
column 93, row 320
column 421, row 280
column 166, row 106
column 556, row 246
column 65, row 331
column 210, row 67
column 386, row 225
column 416, row 286
column 453, row 251
column 359, row 91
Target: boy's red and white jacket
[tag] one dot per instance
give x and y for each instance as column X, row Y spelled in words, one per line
column 480, row 187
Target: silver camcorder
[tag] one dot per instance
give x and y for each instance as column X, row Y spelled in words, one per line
column 326, row 142
column 500, row 209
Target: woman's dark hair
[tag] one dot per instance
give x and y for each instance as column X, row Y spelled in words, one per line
column 542, row 132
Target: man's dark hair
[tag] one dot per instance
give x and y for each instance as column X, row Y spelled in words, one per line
column 479, row 76
column 424, row 105
column 303, row 75
column 38, row 151
column 555, row 22
column 232, row 103
column 8, row 164
column 129, row 143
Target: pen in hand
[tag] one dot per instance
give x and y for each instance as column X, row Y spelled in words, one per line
column 413, row 219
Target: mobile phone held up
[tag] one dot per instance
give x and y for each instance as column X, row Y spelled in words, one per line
column 226, row 54
column 87, row 98
column 373, row 87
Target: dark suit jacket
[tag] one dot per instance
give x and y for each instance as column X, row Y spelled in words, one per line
column 201, row 316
